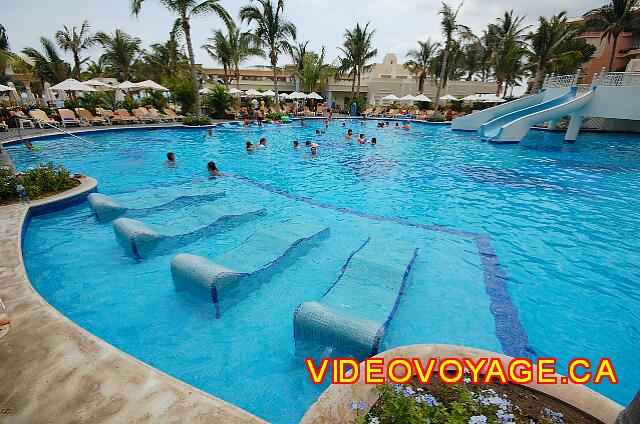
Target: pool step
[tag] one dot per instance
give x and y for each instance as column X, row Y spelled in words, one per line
column 231, row 276
column 141, row 241
column 352, row 316
column 106, row 208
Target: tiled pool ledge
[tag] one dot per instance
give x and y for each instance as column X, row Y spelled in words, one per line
column 333, row 404
column 55, row 371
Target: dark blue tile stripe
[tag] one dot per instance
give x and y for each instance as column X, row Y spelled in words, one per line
column 509, row 330
column 346, row 264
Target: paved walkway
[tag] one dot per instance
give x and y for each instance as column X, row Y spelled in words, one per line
column 53, row 371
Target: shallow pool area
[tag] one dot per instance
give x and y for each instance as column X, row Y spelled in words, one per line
column 528, row 249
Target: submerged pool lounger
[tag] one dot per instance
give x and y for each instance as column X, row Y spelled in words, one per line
column 352, row 316
column 106, row 208
column 141, row 241
column 231, row 276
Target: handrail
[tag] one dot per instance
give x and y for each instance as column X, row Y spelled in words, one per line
column 63, row 131
column 561, row 81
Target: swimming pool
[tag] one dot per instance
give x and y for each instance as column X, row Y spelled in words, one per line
column 523, row 248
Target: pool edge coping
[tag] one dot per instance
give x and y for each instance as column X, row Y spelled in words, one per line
column 333, row 404
column 176, row 399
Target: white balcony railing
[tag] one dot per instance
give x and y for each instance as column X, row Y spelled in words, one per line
column 560, row 81
column 618, row 79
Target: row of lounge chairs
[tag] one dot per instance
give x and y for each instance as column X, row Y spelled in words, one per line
column 82, row 116
column 320, row 111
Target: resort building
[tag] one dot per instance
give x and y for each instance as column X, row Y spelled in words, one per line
column 626, row 57
column 388, row 77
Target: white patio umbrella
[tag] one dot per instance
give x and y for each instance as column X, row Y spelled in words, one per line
column 269, row 93
column 315, row 96
column 448, row 97
column 72, row 85
column 152, row 85
column 297, row 95
column 49, row 95
column 252, row 92
column 11, row 91
column 204, row 90
column 98, row 85
column 471, row 98
column 421, row 98
column 283, row 96
column 128, row 85
column 407, row 98
column 492, row 98
column 233, row 91
column 391, row 97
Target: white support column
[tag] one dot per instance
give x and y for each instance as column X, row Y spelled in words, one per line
column 552, row 124
column 574, row 128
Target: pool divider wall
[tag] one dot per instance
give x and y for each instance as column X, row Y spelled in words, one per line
column 140, row 241
column 223, row 284
column 106, row 208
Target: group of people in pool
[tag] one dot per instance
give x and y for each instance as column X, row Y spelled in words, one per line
column 361, row 139
column 250, row 147
column 212, row 169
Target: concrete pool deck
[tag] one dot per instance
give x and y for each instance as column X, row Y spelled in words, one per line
column 55, row 371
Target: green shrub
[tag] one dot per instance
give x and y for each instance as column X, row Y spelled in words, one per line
column 45, row 179
column 182, row 92
column 195, row 121
column 276, row 116
column 218, row 100
column 436, row 118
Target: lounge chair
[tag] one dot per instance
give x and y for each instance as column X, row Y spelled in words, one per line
column 4, row 126
column 172, row 113
column 108, row 114
column 125, row 116
column 42, row 118
column 67, row 117
column 307, row 112
column 21, row 118
column 164, row 118
column 143, row 115
column 368, row 112
column 88, row 118
column 320, row 110
column 231, row 113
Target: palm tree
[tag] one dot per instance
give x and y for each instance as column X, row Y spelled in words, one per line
column 549, row 44
column 420, row 60
column 95, row 69
column 48, row 65
column 233, row 49
column 449, row 25
column 616, row 17
column 186, row 9
column 507, row 37
column 298, row 53
column 358, row 51
column 120, row 52
column 7, row 57
column 163, row 60
column 473, row 57
column 220, row 51
column 75, row 41
column 314, row 72
column 273, row 29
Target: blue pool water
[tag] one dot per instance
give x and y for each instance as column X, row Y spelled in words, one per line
column 522, row 248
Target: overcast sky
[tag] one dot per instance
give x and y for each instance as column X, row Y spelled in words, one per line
column 398, row 25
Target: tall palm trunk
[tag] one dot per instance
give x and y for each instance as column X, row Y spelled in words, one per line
column 76, row 60
column 499, row 87
column 535, row 87
column 237, row 75
column 274, row 67
column 192, row 64
column 421, row 79
column 613, row 52
column 443, row 74
column 353, row 86
column 359, row 76
column 226, row 76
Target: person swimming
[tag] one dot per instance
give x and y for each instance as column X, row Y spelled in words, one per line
column 326, row 125
column 397, row 126
column 171, row 159
column 314, row 151
column 406, row 126
column 310, row 144
column 373, row 141
column 296, row 145
column 213, row 169
column 349, row 135
column 344, row 125
column 317, row 132
column 361, row 139
column 386, row 124
column 262, row 143
column 302, row 122
column 246, row 122
column 29, row 145
column 250, row 147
